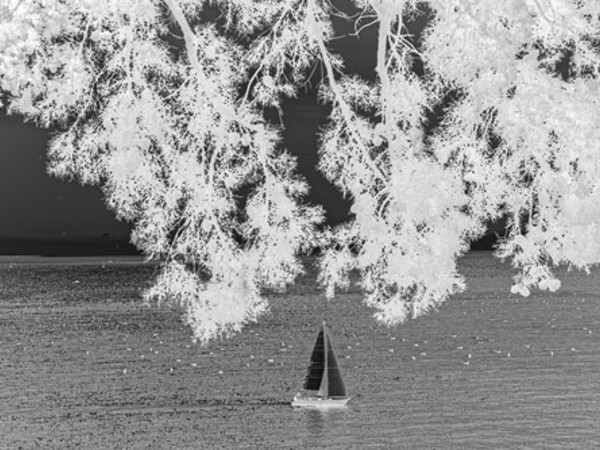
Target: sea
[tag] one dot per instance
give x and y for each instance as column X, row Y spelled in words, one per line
column 84, row 363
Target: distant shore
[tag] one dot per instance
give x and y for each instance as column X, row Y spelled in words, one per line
column 40, row 260
column 36, row 260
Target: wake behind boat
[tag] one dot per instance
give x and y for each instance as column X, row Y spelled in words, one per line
column 324, row 377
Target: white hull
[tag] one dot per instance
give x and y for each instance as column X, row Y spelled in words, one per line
column 319, row 402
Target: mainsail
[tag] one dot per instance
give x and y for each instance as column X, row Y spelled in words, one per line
column 317, row 365
column 323, row 372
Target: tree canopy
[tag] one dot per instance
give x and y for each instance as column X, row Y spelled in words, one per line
column 492, row 111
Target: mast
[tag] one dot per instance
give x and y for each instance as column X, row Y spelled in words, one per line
column 326, row 369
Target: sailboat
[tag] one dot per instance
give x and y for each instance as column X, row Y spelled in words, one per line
column 324, row 377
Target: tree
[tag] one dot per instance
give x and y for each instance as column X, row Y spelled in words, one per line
column 162, row 103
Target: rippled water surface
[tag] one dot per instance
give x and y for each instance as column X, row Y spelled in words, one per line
column 83, row 363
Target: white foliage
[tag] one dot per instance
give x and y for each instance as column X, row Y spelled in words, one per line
column 211, row 308
column 166, row 136
column 165, row 112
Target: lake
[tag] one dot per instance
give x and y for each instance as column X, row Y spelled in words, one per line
column 84, row 363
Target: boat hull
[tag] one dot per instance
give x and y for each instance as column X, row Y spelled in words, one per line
column 319, row 402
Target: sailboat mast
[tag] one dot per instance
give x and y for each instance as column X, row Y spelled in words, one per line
column 326, row 368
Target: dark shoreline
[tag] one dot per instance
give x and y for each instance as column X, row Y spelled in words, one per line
column 67, row 247
column 120, row 247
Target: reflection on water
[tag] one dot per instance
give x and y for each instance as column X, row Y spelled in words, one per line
column 315, row 422
column 321, row 422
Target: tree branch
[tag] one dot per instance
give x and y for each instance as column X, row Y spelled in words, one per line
column 344, row 108
column 189, row 37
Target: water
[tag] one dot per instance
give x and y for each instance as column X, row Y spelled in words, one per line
column 84, row 364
